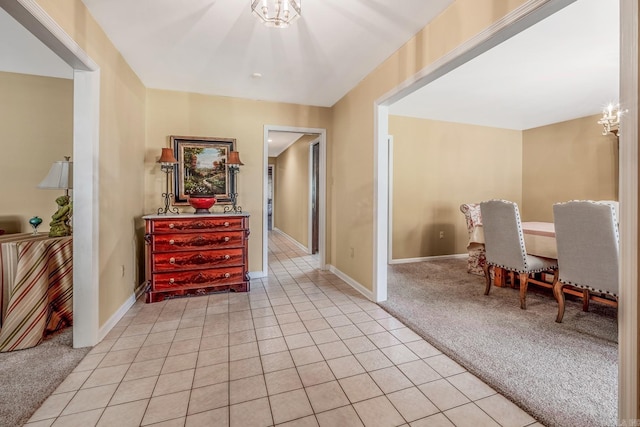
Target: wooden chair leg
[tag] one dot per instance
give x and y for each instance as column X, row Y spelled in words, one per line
column 487, row 277
column 557, row 292
column 512, row 279
column 524, row 283
column 585, row 299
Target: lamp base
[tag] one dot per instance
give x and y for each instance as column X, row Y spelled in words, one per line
column 167, row 208
column 234, row 207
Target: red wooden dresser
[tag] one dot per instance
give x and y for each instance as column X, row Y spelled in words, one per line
column 195, row 254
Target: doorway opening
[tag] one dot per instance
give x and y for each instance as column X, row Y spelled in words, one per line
column 270, row 172
column 314, row 193
column 628, row 174
column 288, row 209
column 86, row 119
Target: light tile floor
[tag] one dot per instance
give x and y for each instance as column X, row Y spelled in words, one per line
column 301, row 349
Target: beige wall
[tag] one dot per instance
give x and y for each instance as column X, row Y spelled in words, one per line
column 292, row 191
column 189, row 114
column 540, row 167
column 565, row 161
column 36, row 129
column 121, row 154
column 437, row 166
column 126, row 193
column 351, row 158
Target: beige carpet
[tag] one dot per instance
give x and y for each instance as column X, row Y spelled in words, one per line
column 28, row 377
column 562, row 374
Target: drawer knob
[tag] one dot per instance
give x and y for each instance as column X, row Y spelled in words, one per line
column 226, row 223
column 227, row 256
column 171, row 225
column 171, row 280
column 171, row 242
column 227, row 275
column 226, row 239
column 172, row 260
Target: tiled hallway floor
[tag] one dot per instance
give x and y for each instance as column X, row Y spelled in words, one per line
column 301, row 349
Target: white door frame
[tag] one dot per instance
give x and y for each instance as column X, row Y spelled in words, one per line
column 322, row 212
column 86, row 122
column 390, row 201
column 526, row 15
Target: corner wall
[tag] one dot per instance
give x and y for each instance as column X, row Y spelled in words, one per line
column 565, row 161
column 121, row 154
column 353, row 180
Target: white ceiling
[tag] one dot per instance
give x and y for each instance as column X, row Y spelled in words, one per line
column 215, row 46
column 280, row 141
column 561, row 68
column 21, row 52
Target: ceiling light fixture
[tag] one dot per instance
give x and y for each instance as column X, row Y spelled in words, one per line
column 276, row 13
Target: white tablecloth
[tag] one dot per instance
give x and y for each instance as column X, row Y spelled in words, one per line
column 539, row 238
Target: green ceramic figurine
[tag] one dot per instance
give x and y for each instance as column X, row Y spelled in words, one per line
column 60, row 225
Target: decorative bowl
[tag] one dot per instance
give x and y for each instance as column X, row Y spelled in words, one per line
column 202, row 204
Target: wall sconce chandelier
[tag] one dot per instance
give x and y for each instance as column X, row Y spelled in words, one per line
column 610, row 119
column 276, row 13
column 234, row 163
column 167, row 161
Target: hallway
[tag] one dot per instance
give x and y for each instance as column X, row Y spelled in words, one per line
column 301, row 349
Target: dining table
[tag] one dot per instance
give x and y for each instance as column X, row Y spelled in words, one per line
column 539, row 238
column 36, row 281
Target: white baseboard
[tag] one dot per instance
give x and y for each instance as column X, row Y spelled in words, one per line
column 427, row 258
column 256, row 275
column 353, row 283
column 292, row 240
column 119, row 314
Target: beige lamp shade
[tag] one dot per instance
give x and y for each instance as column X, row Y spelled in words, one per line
column 234, row 159
column 60, row 176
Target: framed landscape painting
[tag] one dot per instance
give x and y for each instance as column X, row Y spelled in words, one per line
column 202, row 168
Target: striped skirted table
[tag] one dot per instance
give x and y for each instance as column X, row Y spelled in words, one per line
column 36, row 276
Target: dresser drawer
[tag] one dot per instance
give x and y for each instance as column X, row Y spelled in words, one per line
column 188, row 241
column 173, row 225
column 197, row 278
column 170, row 261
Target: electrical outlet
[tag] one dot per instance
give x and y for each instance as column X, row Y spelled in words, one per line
column 351, row 252
column 442, row 234
column 122, row 270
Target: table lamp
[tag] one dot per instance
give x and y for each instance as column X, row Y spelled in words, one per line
column 60, row 177
column 234, row 163
column 167, row 161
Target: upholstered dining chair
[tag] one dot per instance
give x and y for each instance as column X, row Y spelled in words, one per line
column 588, row 252
column 505, row 247
column 477, row 259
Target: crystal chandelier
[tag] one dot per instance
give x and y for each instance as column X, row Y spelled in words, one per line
column 276, row 13
column 610, row 119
